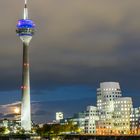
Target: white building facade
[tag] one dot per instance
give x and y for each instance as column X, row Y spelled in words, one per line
column 121, row 115
column 59, row 116
column 91, row 119
column 114, row 113
column 106, row 95
column 135, row 120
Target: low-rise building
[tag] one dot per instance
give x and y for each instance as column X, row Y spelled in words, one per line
column 90, row 119
column 121, row 115
column 135, row 120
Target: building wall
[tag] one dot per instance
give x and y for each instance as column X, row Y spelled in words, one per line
column 59, row 116
column 90, row 120
column 106, row 95
column 135, row 120
column 121, row 115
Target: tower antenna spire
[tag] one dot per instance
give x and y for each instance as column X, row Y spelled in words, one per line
column 25, row 15
column 25, row 3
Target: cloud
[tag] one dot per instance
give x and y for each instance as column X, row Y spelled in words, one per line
column 73, row 38
column 44, row 111
column 11, row 105
column 41, row 113
column 7, row 110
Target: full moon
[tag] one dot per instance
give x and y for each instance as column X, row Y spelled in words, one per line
column 17, row 110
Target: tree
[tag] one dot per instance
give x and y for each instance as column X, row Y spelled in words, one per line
column 56, row 129
column 2, row 130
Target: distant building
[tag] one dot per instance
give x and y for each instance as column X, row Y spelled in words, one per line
column 90, row 119
column 12, row 125
column 135, row 120
column 77, row 119
column 59, row 116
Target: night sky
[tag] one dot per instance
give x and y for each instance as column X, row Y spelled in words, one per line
column 77, row 45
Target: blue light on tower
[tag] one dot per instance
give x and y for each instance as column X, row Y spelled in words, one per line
column 25, row 27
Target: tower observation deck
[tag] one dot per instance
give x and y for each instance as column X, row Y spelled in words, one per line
column 25, row 30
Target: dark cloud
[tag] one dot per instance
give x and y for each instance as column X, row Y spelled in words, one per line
column 9, row 116
column 73, row 41
column 41, row 113
column 1, row 115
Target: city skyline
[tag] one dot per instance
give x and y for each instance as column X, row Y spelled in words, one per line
column 113, row 113
column 66, row 106
column 76, row 48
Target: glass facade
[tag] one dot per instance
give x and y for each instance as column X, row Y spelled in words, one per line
column 25, row 27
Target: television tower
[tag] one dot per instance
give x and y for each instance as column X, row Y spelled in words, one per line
column 25, row 30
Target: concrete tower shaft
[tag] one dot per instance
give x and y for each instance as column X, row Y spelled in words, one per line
column 25, row 106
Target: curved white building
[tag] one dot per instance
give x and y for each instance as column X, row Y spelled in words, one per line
column 106, row 95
